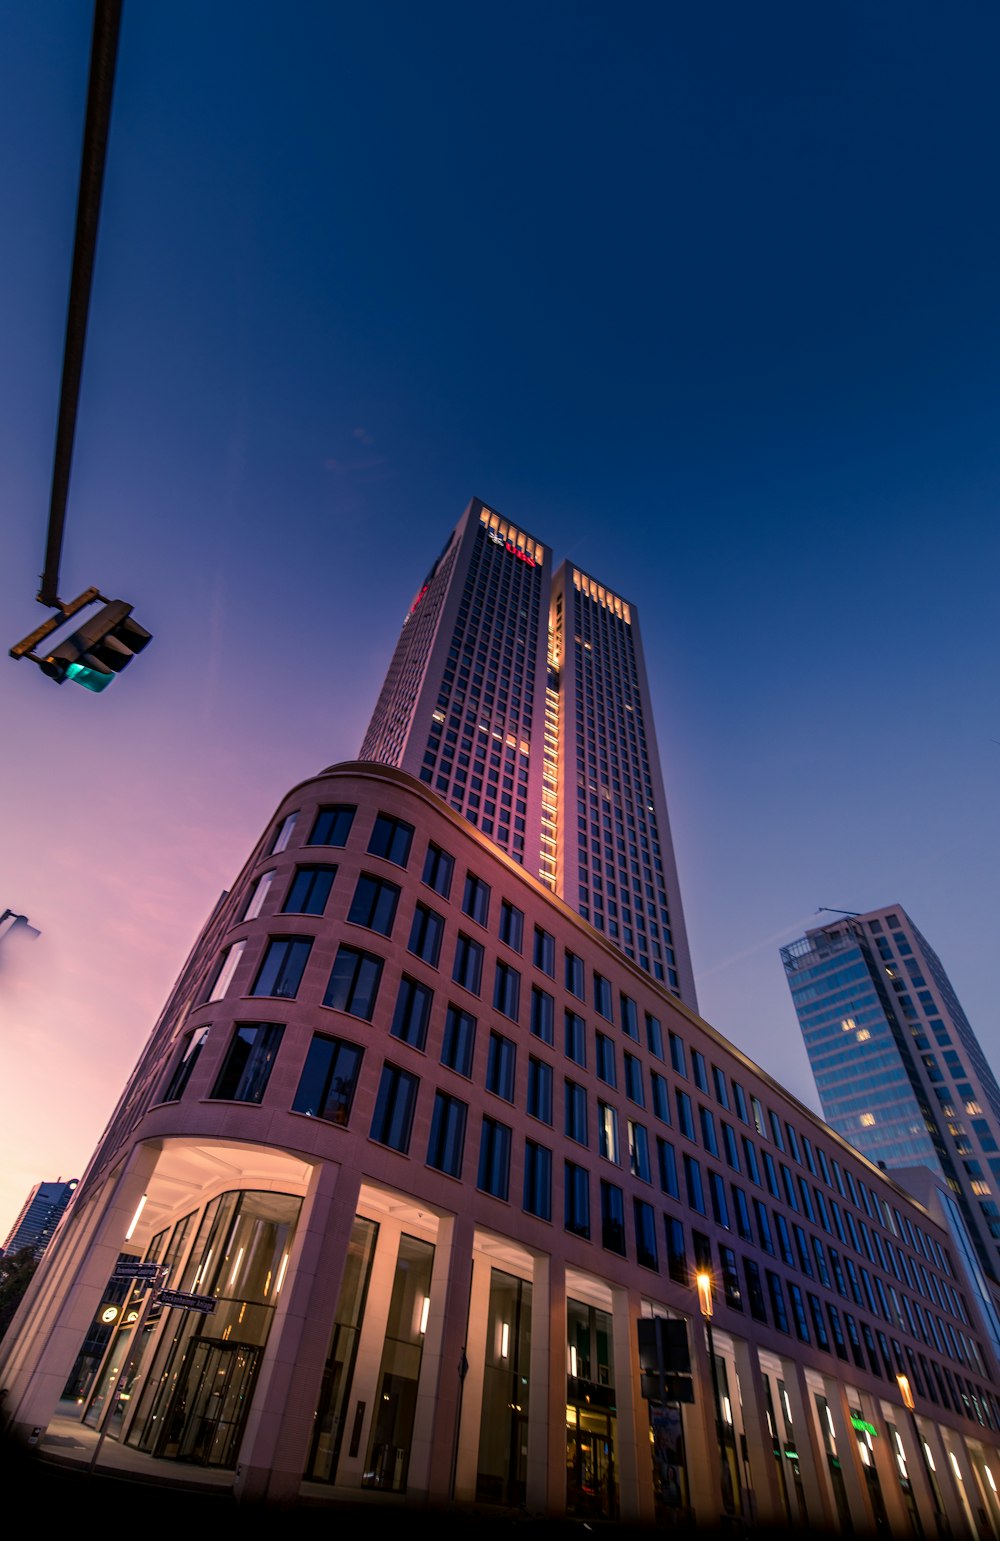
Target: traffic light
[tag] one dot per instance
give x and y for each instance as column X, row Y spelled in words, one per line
column 101, row 648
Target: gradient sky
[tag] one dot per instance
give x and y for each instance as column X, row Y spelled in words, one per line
column 704, row 296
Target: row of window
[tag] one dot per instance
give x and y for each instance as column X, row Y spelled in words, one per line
column 354, row 983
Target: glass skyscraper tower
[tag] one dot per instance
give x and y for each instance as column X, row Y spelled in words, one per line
column 520, row 696
column 899, row 1070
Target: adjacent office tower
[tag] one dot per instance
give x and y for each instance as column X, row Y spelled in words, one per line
column 899, row 1070
column 521, row 698
column 40, row 1214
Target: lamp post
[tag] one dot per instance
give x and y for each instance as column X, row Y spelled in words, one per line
column 703, row 1279
column 906, row 1392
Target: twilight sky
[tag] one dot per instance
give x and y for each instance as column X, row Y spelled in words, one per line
column 704, row 296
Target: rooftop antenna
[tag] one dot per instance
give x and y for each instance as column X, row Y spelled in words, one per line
column 825, row 909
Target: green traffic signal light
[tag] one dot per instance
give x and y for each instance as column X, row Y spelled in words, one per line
column 101, row 648
column 90, row 679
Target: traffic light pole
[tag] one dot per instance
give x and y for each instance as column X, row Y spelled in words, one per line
column 104, row 49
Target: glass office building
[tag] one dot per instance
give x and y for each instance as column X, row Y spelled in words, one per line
column 899, row 1071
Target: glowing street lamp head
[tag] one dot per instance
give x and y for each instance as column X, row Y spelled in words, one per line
column 703, row 1279
column 905, row 1391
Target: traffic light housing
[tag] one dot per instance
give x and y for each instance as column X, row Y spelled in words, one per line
column 101, row 648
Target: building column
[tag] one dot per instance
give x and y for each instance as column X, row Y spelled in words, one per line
column 916, row 1467
column 441, row 1390
column 275, row 1445
column 887, row 1471
column 810, row 1447
column 765, row 1501
column 360, row 1413
column 632, row 1448
column 467, row 1466
column 546, row 1485
column 41, row 1386
column 702, row 1457
column 852, row 1469
column 955, row 1486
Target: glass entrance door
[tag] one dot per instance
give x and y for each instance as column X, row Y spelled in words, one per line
column 204, row 1422
column 590, row 1469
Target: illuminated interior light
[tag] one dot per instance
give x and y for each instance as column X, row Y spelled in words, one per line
column 425, row 1311
column 954, row 1465
column 281, row 1274
column 572, row 1360
column 829, row 1423
column 505, row 1340
column 930, row 1458
column 989, row 1478
column 135, row 1218
column 788, row 1407
column 849, row 1025
column 203, row 1270
column 866, row 1456
column 863, row 1035
column 727, row 1409
column 236, row 1268
column 867, row 1120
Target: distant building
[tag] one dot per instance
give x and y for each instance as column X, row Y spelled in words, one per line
column 900, row 1072
column 40, row 1214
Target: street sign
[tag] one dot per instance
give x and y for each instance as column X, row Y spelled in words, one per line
column 185, row 1302
column 136, row 1270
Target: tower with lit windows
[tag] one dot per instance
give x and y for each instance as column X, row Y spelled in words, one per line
column 521, row 698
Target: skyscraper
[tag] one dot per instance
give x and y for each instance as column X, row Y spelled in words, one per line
column 522, row 699
column 900, row 1072
column 40, row 1214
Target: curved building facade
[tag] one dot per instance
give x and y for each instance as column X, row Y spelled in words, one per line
column 447, row 1165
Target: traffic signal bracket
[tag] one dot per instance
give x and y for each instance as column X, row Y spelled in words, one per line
column 95, row 653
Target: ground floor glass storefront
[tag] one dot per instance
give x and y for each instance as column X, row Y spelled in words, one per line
column 194, row 1393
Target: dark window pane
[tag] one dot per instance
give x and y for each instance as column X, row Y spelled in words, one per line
column 391, row 839
column 545, row 952
column 494, row 1159
column 247, row 1065
column 511, row 925
column 374, row 904
column 438, row 869
column 500, row 1067
column 468, row 970
column 459, row 1041
column 537, row 1180
column 542, row 1014
column 281, row 971
column 393, row 1116
column 612, row 1218
column 412, row 1013
column 507, row 990
column 181, row 1074
column 447, row 1138
column 332, row 826
column 309, row 891
column 354, row 983
column 329, row 1077
column 576, row 1191
column 476, row 899
column 426, row 934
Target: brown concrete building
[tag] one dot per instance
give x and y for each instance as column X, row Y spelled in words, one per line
column 437, row 1149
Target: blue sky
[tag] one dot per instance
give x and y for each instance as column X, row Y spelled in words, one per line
column 703, row 296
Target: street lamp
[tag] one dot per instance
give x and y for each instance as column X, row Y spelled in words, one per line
column 906, row 1392
column 703, row 1280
